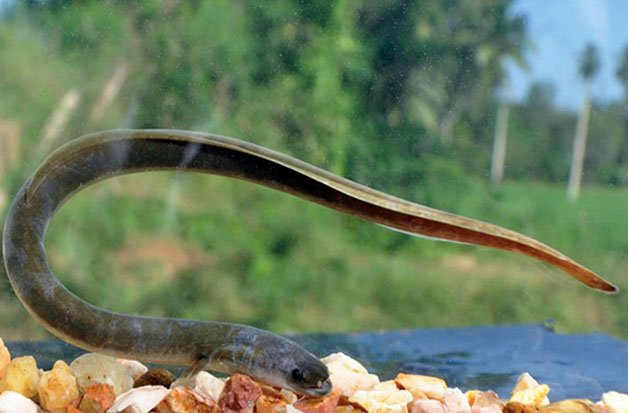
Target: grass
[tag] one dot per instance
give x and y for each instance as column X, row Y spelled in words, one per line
column 211, row 248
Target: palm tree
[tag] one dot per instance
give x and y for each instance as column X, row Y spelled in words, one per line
column 622, row 72
column 589, row 66
column 622, row 76
column 506, row 41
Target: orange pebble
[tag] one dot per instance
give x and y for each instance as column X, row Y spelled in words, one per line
column 239, row 394
column 417, row 384
column 72, row 409
column 5, row 358
column 183, row 400
column 326, row 404
column 97, row 398
column 270, row 403
column 73, row 406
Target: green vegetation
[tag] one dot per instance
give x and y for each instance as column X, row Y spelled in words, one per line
column 233, row 251
column 401, row 98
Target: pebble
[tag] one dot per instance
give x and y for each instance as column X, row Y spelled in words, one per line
column 417, row 384
column 348, row 375
column 90, row 385
column 484, row 402
column 290, row 396
column 5, row 358
column 564, row 406
column 270, row 402
column 183, row 400
column 73, row 406
column 139, row 400
column 94, row 368
column 57, row 388
column 427, row 406
column 388, row 385
column 203, row 383
column 517, row 407
column 325, row 404
column 524, row 382
column 13, row 402
column 342, row 362
column 21, row 376
column 348, row 382
column 239, row 394
column 494, row 408
column 155, row 377
column 133, row 367
column 615, row 402
column 97, row 398
column 347, row 408
column 534, row 396
column 569, row 406
column 274, row 400
column 456, row 401
column 382, row 400
column 527, row 390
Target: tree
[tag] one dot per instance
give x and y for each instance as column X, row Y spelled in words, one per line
column 589, row 66
column 622, row 72
column 435, row 67
column 539, row 136
column 622, row 75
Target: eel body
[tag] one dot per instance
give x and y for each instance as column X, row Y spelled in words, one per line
column 225, row 347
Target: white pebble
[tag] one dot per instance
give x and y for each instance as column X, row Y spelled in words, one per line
column 456, row 401
column 134, row 367
column 291, row 409
column 139, row 400
column 203, row 383
column 342, row 362
column 615, row 402
column 12, row 402
column 389, row 400
column 427, row 406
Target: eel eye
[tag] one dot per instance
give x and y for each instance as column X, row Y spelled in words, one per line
column 297, row 375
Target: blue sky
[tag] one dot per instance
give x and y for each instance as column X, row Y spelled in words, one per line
column 559, row 30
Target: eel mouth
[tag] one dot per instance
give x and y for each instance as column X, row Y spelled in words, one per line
column 317, row 391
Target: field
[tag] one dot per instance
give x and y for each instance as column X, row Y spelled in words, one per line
column 212, row 248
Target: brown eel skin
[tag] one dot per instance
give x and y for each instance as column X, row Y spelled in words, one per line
column 224, row 347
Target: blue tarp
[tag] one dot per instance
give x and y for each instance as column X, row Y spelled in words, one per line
column 573, row 365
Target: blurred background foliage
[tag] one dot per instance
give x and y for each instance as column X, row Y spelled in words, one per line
column 400, row 95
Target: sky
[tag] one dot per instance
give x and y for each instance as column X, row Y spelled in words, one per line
column 559, row 31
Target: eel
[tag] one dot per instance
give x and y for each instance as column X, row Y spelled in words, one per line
column 225, row 347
